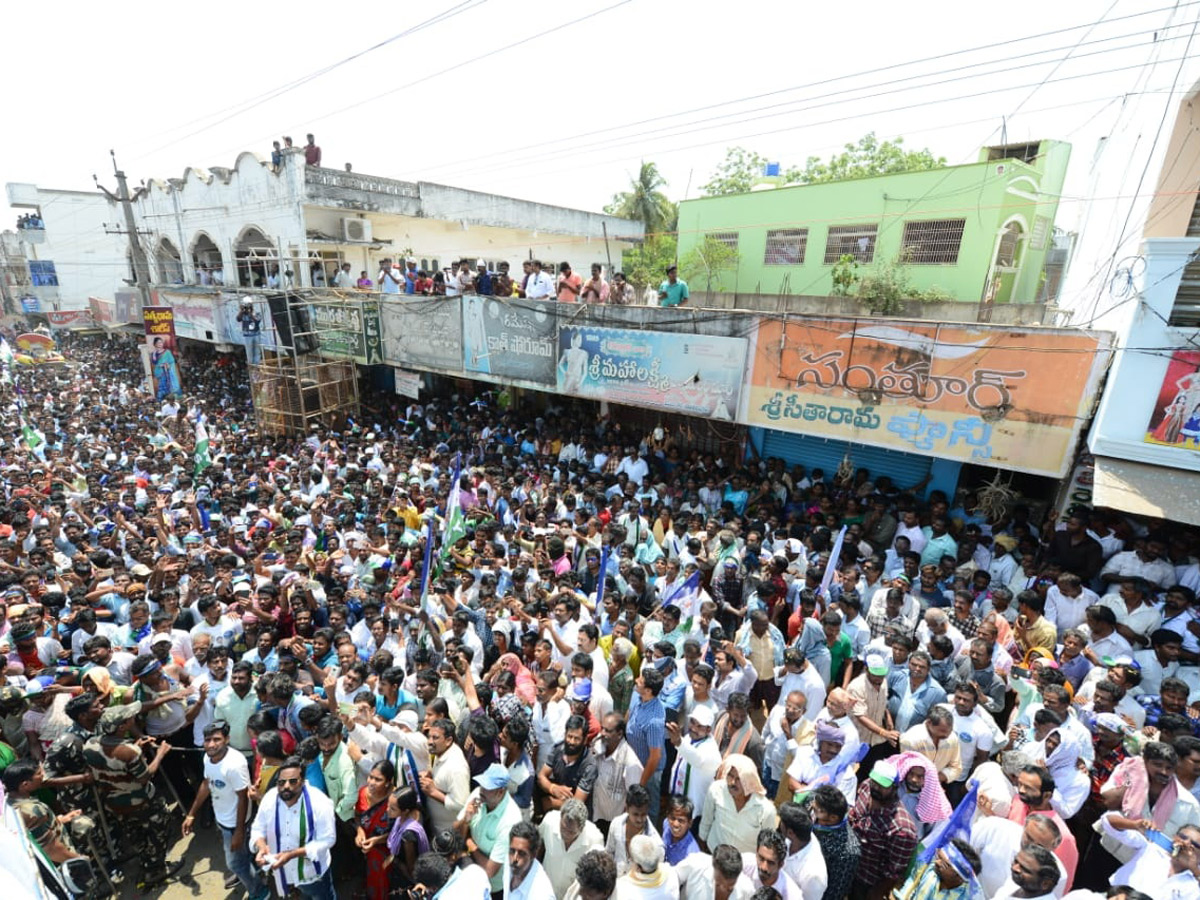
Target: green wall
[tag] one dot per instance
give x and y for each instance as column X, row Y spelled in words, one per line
column 986, row 195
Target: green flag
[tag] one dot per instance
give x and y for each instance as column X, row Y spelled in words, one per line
column 201, row 454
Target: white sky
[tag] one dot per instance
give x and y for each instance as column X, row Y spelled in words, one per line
column 553, row 119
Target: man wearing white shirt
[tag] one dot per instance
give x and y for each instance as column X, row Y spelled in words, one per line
column 566, row 836
column 447, row 784
column 764, row 867
column 698, row 756
column 702, row 876
column 524, row 877
column 1104, row 639
column 1163, row 865
column 1067, row 602
column 910, row 528
column 227, row 781
column 1034, row 873
column 293, row 834
column 805, row 864
column 539, row 286
column 1148, row 563
column 633, row 466
column 997, row 840
column 617, row 767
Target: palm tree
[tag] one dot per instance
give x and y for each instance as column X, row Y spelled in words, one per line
column 645, row 202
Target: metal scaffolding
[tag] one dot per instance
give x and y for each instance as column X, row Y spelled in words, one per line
column 295, row 387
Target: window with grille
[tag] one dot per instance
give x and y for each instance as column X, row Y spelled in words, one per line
column 786, row 247
column 852, row 240
column 933, row 243
column 728, row 238
column 42, row 273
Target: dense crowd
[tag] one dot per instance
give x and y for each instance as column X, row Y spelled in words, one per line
column 469, row 648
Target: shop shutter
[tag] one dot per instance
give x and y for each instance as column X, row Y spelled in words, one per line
column 905, row 469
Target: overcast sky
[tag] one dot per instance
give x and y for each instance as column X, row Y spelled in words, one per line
column 565, row 114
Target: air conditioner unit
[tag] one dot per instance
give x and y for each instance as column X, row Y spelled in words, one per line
column 356, row 230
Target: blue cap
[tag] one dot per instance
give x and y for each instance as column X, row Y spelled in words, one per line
column 580, row 690
column 493, row 777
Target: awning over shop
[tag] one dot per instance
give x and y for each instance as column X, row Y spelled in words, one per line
column 1156, row 491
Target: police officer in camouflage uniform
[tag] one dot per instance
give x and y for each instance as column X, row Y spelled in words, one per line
column 67, row 772
column 126, row 784
column 21, row 780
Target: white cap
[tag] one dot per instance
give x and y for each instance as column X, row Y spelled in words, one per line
column 702, row 716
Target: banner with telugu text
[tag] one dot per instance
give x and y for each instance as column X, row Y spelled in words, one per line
column 1003, row 396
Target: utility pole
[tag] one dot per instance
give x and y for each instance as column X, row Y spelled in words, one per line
column 141, row 267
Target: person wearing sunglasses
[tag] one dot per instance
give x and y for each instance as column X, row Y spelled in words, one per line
column 293, row 834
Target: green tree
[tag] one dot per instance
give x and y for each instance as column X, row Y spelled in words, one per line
column 645, row 202
column 868, row 157
column 707, row 261
column 742, row 168
column 646, row 264
column 736, row 175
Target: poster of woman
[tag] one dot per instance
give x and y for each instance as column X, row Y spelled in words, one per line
column 1175, row 421
column 160, row 336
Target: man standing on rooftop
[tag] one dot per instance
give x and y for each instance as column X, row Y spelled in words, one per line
column 312, row 153
column 673, row 291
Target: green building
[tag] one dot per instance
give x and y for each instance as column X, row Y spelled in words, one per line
column 979, row 232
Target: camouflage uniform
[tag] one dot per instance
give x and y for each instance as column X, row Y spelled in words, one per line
column 64, row 758
column 130, row 799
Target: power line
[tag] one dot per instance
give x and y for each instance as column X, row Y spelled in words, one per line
column 1149, row 157
column 834, row 98
column 836, row 119
column 574, row 138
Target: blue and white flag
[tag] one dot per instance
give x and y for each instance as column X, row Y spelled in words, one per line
column 832, row 564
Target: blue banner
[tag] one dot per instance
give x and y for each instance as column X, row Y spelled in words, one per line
column 697, row 374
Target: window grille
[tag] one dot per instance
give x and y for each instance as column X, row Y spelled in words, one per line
column 728, row 238
column 853, row 240
column 933, row 243
column 785, row 247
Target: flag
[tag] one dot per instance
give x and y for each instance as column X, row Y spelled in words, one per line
column 602, row 575
column 831, row 566
column 33, row 440
column 456, row 522
column 426, row 569
column 201, row 453
column 7, row 357
column 957, row 826
column 685, row 596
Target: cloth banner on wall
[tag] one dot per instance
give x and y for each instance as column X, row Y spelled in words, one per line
column 697, row 374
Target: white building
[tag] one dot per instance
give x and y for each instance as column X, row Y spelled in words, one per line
column 1145, row 437
column 233, row 225
column 77, row 254
column 242, row 221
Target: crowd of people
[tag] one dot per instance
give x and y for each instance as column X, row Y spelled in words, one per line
column 30, row 222
column 465, row 647
column 534, row 282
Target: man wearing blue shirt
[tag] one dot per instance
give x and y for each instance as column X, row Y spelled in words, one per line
column 646, row 732
column 672, row 292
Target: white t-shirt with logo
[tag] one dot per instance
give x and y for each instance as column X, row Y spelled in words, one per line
column 973, row 735
column 225, row 779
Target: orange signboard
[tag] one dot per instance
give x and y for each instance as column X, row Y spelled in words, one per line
column 997, row 395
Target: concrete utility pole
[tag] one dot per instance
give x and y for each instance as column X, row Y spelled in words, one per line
column 141, row 266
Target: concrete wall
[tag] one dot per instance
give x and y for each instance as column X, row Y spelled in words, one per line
column 445, row 241
column 1175, row 195
column 815, row 305
column 88, row 261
